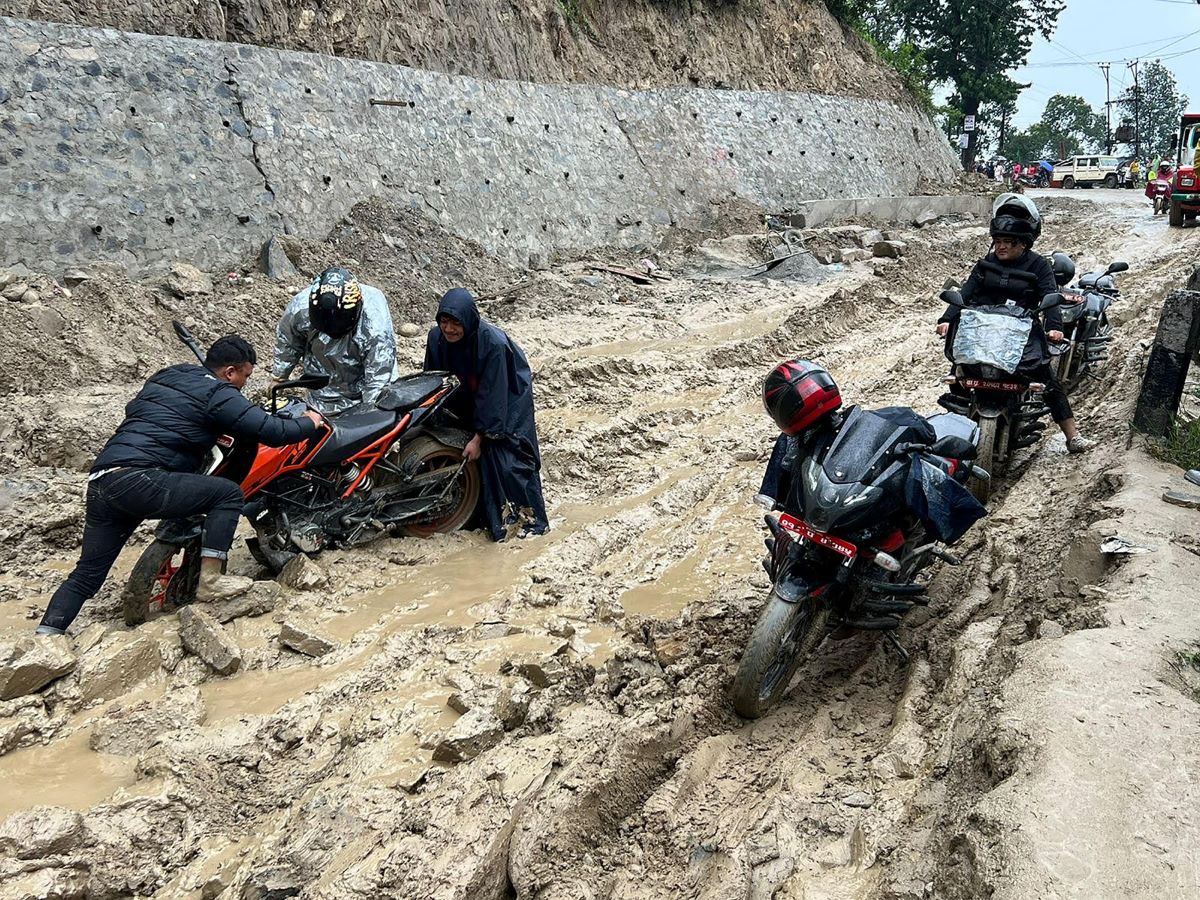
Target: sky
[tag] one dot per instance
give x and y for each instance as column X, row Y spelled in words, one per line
column 1094, row 31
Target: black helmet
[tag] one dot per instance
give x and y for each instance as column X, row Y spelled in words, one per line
column 797, row 394
column 1019, row 207
column 335, row 302
column 1012, row 227
column 1064, row 267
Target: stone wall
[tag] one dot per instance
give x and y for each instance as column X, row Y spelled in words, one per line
column 143, row 150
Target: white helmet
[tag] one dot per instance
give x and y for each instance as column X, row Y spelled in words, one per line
column 1020, row 207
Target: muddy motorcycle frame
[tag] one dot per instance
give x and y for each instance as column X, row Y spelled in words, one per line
column 1086, row 328
column 1008, row 408
column 855, row 571
column 398, row 468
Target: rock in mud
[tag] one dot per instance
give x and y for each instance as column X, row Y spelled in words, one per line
column 305, row 639
column 559, row 626
column 476, row 731
column 31, row 296
column 203, row 635
column 302, row 574
column 828, row 257
column 274, row 261
column 39, row 832
column 512, row 703
column 14, row 291
column 186, row 281
column 889, row 249
column 410, row 330
column 1182, row 498
column 119, row 662
column 32, row 663
column 868, row 238
column 261, row 599
column 129, row 730
column 928, row 217
column 622, row 672
column 1049, row 630
column 858, row 800
column 540, row 672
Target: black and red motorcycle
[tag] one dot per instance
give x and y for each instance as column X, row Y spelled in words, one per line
column 869, row 505
column 397, row 468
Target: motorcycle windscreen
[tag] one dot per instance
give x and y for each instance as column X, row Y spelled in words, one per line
column 863, row 444
column 991, row 339
column 945, row 507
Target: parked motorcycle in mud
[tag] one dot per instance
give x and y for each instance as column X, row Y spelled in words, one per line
column 1086, row 328
column 988, row 387
column 396, row 468
column 854, row 536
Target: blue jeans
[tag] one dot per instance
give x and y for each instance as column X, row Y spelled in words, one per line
column 120, row 501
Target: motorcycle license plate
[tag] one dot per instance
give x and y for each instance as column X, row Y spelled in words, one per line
column 804, row 531
column 980, row 385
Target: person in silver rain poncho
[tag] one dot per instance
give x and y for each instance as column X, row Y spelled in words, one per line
column 343, row 329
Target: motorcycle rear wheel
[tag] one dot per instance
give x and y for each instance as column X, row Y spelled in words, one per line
column 426, row 454
column 989, row 431
column 784, row 636
column 158, row 577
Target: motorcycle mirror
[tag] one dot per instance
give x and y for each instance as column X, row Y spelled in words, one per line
column 952, row 298
column 1115, row 267
column 181, row 331
column 1050, row 301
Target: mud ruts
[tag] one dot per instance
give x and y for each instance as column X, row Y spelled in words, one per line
column 143, row 150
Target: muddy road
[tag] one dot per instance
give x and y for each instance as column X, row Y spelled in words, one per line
column 548, row 718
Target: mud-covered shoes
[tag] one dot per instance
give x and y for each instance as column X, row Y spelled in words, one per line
column 215, row 586
column 1079, row 444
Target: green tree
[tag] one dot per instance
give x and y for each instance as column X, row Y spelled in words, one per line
column 1158, row 106
column 1029, row 144
column 1071, row 127
column 973, row 45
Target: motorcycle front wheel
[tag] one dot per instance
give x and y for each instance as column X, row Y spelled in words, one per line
column 989, row 432
column 784, row 636
column 165, row 576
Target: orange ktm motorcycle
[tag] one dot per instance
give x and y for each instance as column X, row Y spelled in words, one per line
column 397, row 468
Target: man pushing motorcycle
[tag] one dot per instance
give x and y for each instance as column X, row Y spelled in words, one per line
column 1013, row 274
column 147, row 470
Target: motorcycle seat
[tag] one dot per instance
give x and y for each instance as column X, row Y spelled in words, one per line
column 355, row 432
column 409, row 391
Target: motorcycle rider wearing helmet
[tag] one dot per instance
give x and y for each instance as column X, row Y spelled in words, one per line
column 340, row 328
column 1012, row 271
column 805, row 402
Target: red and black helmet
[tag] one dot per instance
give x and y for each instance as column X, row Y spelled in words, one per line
column 797, row 394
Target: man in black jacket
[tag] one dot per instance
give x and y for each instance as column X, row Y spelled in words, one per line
column 1013, row 273
column 147, row 471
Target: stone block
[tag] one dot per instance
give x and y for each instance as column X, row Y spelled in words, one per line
column 306, row 639
column 261, row 599
column 274, row 261
column 475, row 731
column 186, row 281
column 32, row 663
column 889, row 249
column 41, row 832
column 302, row 574
column 120, row 661
column 204, row 636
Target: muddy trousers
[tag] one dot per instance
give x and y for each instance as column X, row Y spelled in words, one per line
column 120, row 501
column 1053, row 396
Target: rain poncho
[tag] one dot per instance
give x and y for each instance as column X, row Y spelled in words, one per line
column 359, row 365
column 497, row 399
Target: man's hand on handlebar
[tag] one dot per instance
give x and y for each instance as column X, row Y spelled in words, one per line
column 942, row 328
column 313, row 416
column 1055, row 336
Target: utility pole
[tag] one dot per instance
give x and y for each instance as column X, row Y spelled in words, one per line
column 1108, row 109
column 1137, row 124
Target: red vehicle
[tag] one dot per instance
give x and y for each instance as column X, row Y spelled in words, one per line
column 1185, row 188
column 395, row 468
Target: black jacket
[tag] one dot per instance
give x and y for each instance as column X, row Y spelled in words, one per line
column 1025, row 281
column 177, row 416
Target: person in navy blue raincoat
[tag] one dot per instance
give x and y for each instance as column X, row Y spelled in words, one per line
column 497, row 398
